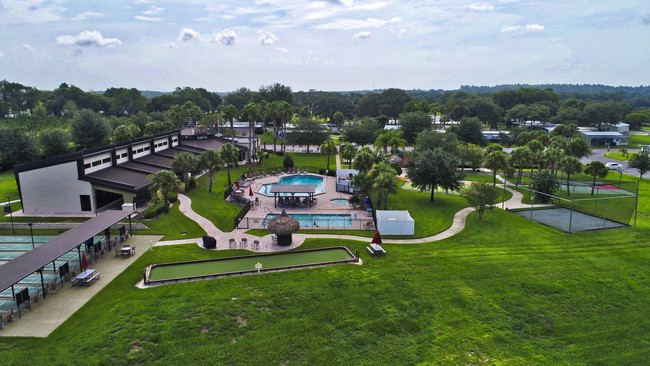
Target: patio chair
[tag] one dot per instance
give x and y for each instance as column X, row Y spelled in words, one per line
column 232, row 243
column 256, row 244
column 274, row 239
column 243, row 243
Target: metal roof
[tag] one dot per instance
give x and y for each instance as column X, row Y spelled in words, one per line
column 292, row 188
column 28, row 263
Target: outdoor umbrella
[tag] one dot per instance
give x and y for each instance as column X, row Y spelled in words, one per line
column 250, row 191
column 377, row 238
column 84, row 262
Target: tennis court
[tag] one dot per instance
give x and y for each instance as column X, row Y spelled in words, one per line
column 566, row 220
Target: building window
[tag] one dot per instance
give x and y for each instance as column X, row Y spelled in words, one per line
column 85, row 202
column 86, row 166
column 96, row 162
column 107, row 160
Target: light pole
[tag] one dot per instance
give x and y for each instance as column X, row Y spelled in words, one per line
column 31, row 232
column 8, row 207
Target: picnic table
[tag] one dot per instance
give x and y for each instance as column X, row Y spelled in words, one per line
column 85, row 277
column 377, row 248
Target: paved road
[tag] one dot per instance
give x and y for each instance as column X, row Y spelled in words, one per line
column 598, row 155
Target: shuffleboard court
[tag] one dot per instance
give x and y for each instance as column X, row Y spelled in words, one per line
column 212, row 268
column 565, row 220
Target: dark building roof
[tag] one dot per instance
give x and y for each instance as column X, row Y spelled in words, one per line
column 292, row 188
column 28, row 263
column 143, row 168
column 160, row 161
column 120, row 178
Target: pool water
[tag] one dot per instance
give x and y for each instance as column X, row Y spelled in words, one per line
column 339, row 201
column 316, row 220
column 298, row 179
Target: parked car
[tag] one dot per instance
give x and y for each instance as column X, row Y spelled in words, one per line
column 614, row 166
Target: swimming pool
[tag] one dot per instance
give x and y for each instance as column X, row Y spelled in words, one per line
column 340, row 201
column 316, row 220
column 297, row 179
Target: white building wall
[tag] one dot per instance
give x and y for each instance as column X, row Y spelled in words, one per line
column 54, row 189
column 140, row 150
column 97, row 162
column 160, row 144
column 122, row 155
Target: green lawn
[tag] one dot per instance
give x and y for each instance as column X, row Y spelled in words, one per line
column 531, row 295
column 505, row 291
column 8, row 186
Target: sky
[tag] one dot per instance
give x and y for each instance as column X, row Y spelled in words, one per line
column 331, row 45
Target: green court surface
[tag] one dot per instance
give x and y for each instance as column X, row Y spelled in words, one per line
column 275, row 261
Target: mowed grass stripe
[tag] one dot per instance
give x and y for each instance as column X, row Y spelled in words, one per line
column 229, row 265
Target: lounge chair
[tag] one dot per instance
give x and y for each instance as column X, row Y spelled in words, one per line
column 232, row 243
column 243, row 243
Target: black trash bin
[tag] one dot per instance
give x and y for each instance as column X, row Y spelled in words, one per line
column 209, row 242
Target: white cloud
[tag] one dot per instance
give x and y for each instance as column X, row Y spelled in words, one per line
column 399, row 33
column 148, row 19
column 481, row 7
column 321, row 14
column 87, row 39
column 341, row 2
column 349, row 24
column 281, row 49
column 2, row 55
column 362, row 35
column 522, row 29
column 227, row 37
column 169, row 45
column 266, row 38
column 153, row 10
column 87, row 15
column 188, row 34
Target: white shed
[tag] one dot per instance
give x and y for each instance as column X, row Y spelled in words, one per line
column 395, row 223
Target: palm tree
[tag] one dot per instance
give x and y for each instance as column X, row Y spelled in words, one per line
column 570, row 165
column 623, row 151
column 382, row 141
column 520, row 157
column 328, row 147
column 551, row 156
column 383, row 176
column 229, row 113
column 536, row 149
column 184, row 163
column 496, row 160
column 265, row 112
column 163, row 183
column 396, row 140
column 211, row 161
column 230, row 155
column 641, row 162
column 252, row 112
column 284, row 112
column 596, row 169
column 364, row 159
column 348, row 152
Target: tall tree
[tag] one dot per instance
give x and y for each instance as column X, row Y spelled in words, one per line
column 496, row 160
column 252, row 112
column 413, row 123
column 362, row 132
column 211, row 161
column 520, row 157
column 596, row 169
column 544, row 184
column 184, row 163
column 89, row 129
column 348, row 152
column 307, row 132
column 364, row 159
column 383, row 178
column 162, row 184
column 430, row 169
column 640, row 162
column 16, row 148
column 470, row 154
column 54, row 142
column 570, row 165
column 469, row 130
column 229, row 113
column 328, row 147
column 230, row 155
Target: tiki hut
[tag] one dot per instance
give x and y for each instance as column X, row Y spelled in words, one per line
column 283, row 226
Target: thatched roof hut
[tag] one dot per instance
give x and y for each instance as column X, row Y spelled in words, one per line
column 283, row 226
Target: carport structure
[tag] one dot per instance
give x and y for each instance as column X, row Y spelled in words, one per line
column 37, row 259
column 292, row 189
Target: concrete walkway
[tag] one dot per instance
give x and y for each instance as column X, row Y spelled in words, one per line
column 266, row 245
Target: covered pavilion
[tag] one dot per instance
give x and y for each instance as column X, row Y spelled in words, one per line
column 292, row 189
column 37, row 259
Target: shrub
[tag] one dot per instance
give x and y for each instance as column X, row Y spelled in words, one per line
column 155, row 208
column 172, row 197
column 191, row 183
